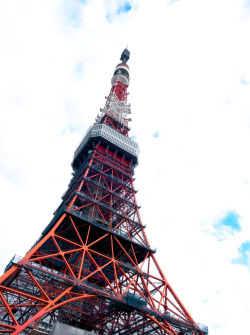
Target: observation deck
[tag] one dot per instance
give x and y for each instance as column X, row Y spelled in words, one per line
column 111, row 136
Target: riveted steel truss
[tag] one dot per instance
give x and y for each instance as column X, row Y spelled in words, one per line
column 94, row 267
column 116, row 110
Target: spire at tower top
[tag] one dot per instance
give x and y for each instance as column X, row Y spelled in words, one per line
column 125, row 56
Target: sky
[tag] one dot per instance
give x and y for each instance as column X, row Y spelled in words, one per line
column 190, row 98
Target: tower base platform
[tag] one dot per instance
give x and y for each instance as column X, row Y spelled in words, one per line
column 61, row 329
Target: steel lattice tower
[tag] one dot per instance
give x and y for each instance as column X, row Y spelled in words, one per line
column 93, row 266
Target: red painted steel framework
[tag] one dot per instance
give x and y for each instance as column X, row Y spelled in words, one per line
column 93, row 266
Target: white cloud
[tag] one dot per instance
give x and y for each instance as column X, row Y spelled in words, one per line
column 188, row 61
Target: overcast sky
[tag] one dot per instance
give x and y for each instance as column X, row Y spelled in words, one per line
column 190, row 97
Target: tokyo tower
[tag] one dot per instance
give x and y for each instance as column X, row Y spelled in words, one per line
column 92, row 271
